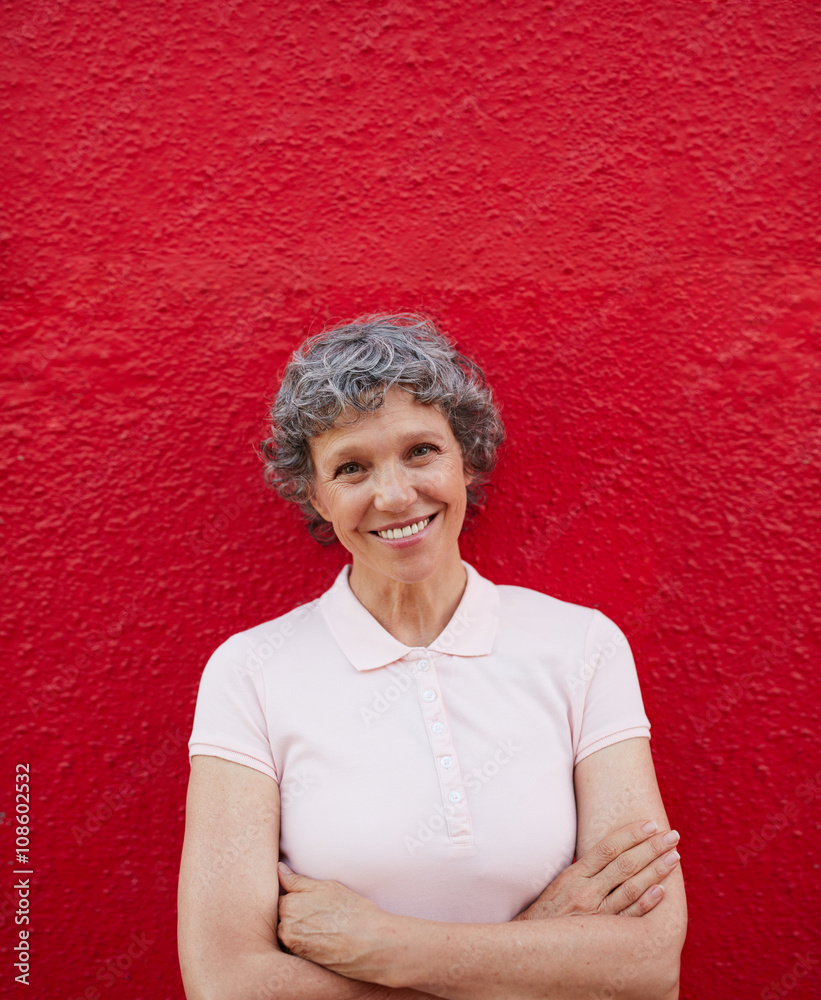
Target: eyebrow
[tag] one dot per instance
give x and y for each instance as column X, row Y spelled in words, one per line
column 346, row 451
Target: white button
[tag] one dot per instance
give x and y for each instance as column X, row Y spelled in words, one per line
column 455, row 796
column 429, row 695
column 437, row 727
column 446, row 762
column 423, row 664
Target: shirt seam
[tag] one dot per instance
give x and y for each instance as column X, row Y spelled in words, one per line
column 263, row 709
column 617, row 737
column 577, row 750
column 192, row 752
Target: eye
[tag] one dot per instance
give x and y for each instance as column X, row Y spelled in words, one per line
column 348, row 469
column 422, row 450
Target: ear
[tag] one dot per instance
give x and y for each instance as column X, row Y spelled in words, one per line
column 320, row 508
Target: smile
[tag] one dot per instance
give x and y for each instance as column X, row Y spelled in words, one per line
column 407, row 531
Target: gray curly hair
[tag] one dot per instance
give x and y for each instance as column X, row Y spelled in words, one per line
column 351, row 367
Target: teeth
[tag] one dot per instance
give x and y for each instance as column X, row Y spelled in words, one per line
column 411, row 529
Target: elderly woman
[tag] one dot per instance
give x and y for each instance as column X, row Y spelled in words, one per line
column 422, row 750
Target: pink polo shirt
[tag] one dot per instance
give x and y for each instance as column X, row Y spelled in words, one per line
column 436, row 781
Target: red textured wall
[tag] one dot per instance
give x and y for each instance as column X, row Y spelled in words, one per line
column 613, row 206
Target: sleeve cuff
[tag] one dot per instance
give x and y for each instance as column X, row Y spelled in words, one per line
column 606, row 741
column 207, row 750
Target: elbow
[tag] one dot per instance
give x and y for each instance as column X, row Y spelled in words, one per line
column 228, row 991
column 654, row 982
column 667, row 987
column 242, row 977
column 661, row 951
column 663, row 975
column 200, row 985
column 657, row 971
column 194, row 990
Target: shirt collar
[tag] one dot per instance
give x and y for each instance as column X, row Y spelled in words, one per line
column 470, row 632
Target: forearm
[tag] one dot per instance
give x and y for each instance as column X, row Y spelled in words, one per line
column 564, row 957
column 270, row 974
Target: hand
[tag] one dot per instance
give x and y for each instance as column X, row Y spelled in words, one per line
column 620, row 875
column 330, row 925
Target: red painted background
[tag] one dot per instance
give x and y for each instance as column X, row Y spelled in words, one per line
column 613, row 206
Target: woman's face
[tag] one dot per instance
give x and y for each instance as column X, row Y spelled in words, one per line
column 394, row 467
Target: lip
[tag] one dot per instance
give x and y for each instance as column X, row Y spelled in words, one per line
column 405, row 524
column 401, row 543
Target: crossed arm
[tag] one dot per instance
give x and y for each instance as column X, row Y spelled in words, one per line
column 568, row 944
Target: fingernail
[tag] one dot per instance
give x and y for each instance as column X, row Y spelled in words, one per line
column 671, row 858
column 650, row 827
column 283, row 867
column 657, row 892
column 671, row 837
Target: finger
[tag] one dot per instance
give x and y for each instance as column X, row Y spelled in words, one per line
column 646, row 902
column 635, row 860
column 614, row 845
column 632, row 861
column 291, row 881
column 631, row 892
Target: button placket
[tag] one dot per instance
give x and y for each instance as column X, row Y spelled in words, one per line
column 451, row 785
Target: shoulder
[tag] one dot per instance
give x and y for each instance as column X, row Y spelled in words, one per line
column 533, row 610
column 549, row 618
column 524, row 600
column 259, row 643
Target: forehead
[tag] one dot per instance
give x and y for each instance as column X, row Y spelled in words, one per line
column 399, row 419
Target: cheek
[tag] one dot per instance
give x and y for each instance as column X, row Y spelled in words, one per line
column 447, row 488
column 348, row 508
column 454, row 482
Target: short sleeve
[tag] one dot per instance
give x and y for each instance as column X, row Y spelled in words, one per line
column 229, row 718
column 613, row 709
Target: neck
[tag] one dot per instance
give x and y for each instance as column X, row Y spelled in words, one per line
column 413, row 613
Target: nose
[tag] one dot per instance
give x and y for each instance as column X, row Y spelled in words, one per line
column 394, row 489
